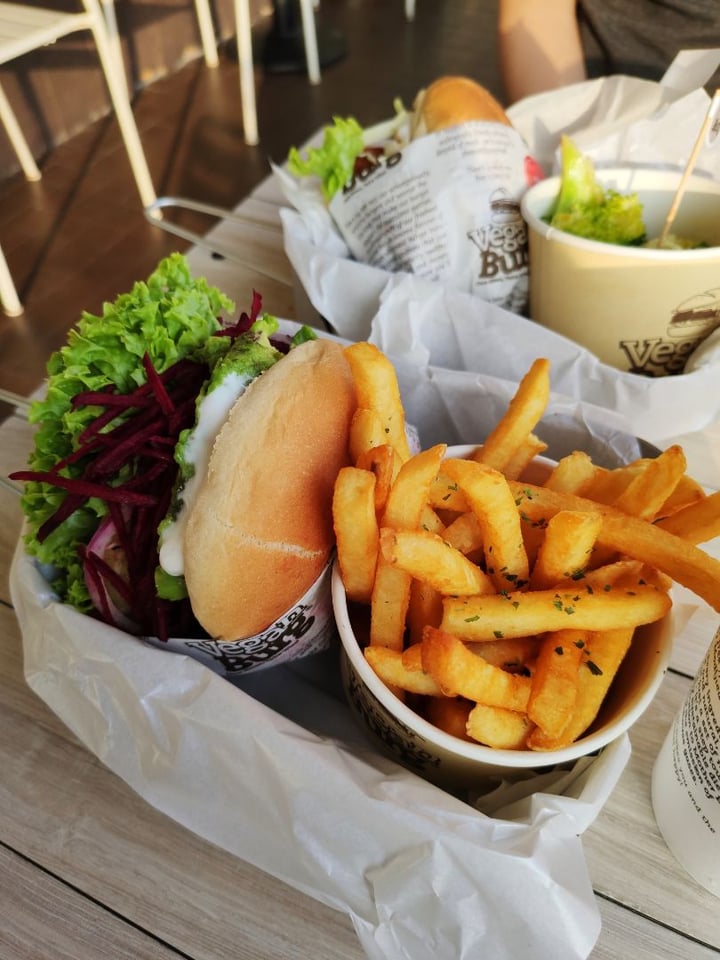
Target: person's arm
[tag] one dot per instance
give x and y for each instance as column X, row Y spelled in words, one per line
column 539, row 46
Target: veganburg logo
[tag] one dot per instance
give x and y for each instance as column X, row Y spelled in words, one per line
column 242, row 655
column 396, row 736
column 690, row 322
column 502, row 243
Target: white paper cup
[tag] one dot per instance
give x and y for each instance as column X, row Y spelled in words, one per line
column 637, row 309
column 686, row 778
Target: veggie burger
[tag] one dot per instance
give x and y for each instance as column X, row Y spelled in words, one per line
column 181, row 478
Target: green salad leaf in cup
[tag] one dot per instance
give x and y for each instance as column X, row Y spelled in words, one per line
column 585, row 208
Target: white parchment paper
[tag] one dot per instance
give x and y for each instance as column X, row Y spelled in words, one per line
column 433, row 333
column 422, row 874
column 614, row 120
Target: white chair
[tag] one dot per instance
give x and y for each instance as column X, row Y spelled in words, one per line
column 155, row 212
column 245, row 59
column 23, row 29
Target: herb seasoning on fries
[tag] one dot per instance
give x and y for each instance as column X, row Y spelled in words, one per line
column 502, row 609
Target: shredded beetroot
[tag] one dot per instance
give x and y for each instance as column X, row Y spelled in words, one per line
column 133, row 436
column 85, row 489
column 245, row 320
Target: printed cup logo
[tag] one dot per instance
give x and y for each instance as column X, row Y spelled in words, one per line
column 690, row 323
column 397, row 738
column 309, row 627
column 502, row 241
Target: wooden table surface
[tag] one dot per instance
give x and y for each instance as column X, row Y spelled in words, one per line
column 89, row 870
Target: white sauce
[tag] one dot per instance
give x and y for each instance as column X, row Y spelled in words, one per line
column 213, row 413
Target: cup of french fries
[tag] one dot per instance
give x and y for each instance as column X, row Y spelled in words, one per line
column 500, row 612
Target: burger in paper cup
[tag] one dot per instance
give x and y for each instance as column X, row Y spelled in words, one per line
column 434, row 192
column 182, row 475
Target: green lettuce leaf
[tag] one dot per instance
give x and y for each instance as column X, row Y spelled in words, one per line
column 334, row 161
column 170, row 316
column 585, row 208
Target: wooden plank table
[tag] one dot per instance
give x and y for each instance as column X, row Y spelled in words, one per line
column 88, row 869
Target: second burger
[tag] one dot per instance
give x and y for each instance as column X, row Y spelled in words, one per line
column 433, row 192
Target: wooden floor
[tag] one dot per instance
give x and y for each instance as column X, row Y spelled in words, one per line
column 78, row 236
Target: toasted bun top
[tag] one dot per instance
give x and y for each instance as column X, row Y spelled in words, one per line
column 449, row 101
column 260, row 531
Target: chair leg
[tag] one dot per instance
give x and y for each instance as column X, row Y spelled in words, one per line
column 246, row 70
column 409, row 9
column 117, row 85
column 17, row 139
column 9, row 300
column 310, row 38
column 207, row 32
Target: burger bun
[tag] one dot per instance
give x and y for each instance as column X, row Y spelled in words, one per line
column 260, row 531
column 449, row 101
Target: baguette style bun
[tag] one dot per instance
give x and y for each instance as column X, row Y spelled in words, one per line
column 260, row 531
column 449, row 101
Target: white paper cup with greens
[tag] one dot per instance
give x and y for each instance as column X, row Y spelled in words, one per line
column 638, row 309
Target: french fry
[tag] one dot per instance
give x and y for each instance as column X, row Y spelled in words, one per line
column 649, row 490
column 459, row 672
column 696, row 523
column 498, row 727
column 445, row 494
column 608, row 485
column 530, row 448
column 605, row 486
column 680, row 560
column 687, row 492
column 449, row 714
column 566, row 548
column 521, row 614
column 392, row 670
column 430, row 521
column 356, row 531
column 605, row 652
column 520, row 419
column 555, row 680
column 410, row 492
column 492, row 502
column 427, row 557
column 511, row 654
column 377, row 389
column 391, row 589
column 366, row 433
column 572, row 474
column 412, row 656
column 384, row 463
column 464, row 533
column 625, row 573
column 389, row 604
column 424, row 607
